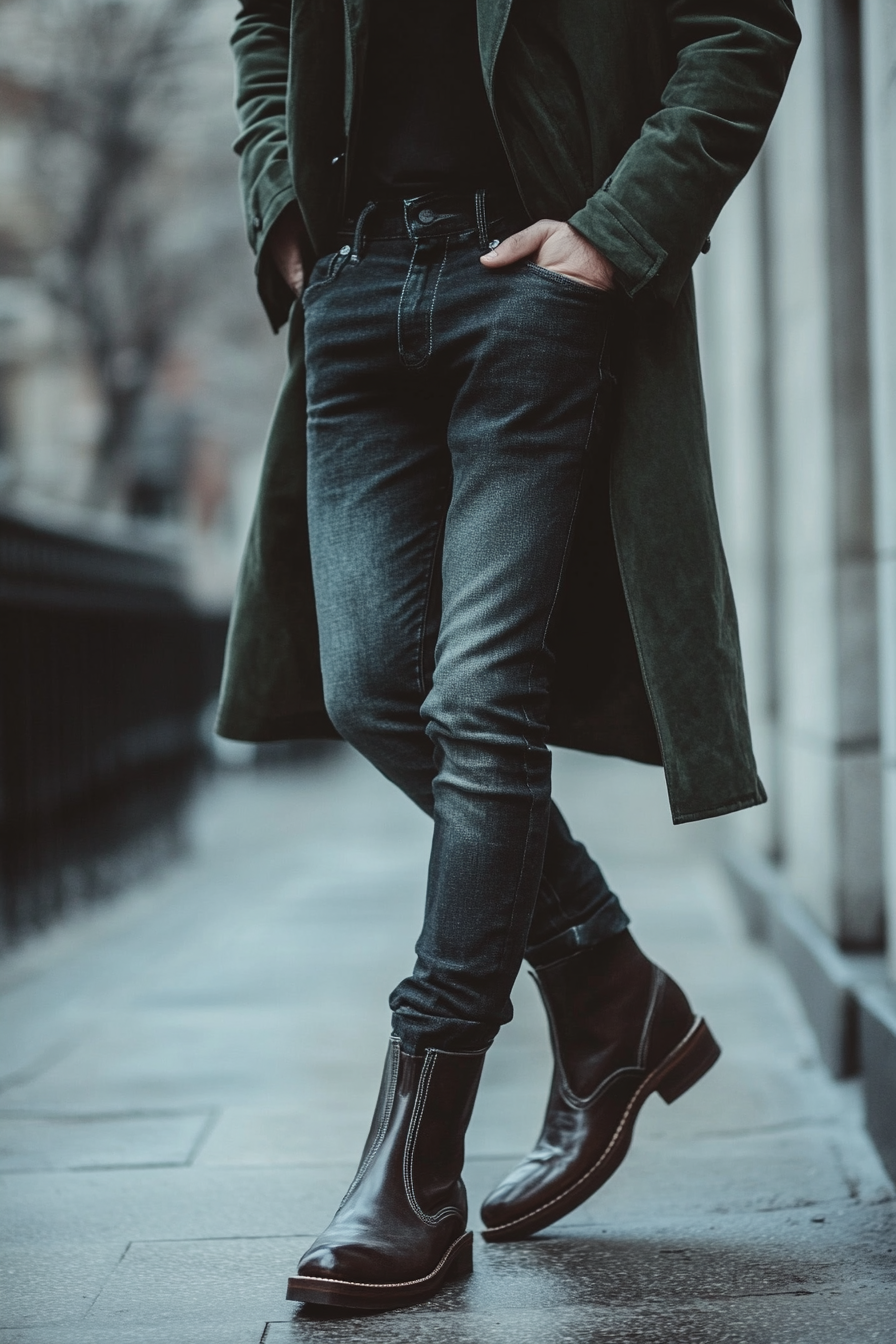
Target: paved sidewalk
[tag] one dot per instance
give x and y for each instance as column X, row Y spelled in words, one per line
column 187, row 1076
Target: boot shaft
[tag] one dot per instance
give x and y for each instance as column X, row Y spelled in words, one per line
column 414, row 1153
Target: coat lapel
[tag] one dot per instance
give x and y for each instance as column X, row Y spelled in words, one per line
column 357, row 25
column 492, row 17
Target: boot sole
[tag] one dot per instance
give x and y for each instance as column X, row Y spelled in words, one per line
column 680, row 1070
column 456, row 1263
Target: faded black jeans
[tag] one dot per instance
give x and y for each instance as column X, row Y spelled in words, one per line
column 451, row 413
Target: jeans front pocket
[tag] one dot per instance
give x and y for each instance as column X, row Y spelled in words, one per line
column 567, row 282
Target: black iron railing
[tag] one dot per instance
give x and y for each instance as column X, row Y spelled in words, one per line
column 105, row 669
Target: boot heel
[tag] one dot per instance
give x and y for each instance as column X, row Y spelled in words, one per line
column 691, row 1064
column 462, row 1264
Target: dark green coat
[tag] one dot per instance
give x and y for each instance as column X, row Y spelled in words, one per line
column 635, row 120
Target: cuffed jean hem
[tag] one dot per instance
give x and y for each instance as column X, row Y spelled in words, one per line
column 417, row 1033
column 606, row 923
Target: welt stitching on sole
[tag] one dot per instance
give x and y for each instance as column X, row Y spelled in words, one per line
column 647, row 1083
column 382, row 1287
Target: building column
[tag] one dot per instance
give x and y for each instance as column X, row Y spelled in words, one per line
column 829, row 783
column 879, row 60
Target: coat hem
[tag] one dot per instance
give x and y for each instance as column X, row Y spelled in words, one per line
column 755, row 799
column 292, row 727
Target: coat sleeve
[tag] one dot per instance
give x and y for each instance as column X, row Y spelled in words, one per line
column 260, row 44
column 652, row 217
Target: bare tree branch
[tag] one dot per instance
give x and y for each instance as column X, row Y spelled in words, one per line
column 110, row 75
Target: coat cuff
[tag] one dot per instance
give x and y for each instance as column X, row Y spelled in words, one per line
column 274, row 292
column 266, row 198
column 636, row 256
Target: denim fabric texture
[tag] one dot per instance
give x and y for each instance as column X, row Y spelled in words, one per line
column 452, row 414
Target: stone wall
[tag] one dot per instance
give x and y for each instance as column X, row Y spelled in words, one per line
column 798, row 313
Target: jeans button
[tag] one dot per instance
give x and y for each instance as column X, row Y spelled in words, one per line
column 426, row 216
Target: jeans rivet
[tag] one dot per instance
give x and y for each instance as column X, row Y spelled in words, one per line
column 426, row 216
column 495, row 242
column 344, row 250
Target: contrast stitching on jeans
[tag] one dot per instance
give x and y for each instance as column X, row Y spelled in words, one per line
column 565, row 281
column 408, row 361
column 481, row 219
column 646, row 1085
column 384, row 1123
column 408, row 1283
column 432, row 306
column 401, row 299
column 429, row 1065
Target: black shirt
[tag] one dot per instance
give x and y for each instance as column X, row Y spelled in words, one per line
column 425, row 122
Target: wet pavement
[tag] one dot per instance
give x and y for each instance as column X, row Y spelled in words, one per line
column 187, row 1075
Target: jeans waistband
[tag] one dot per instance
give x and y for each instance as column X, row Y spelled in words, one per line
column 436, row 215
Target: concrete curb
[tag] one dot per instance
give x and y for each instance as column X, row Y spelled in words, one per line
column 877, row 1031
column 850, row 1005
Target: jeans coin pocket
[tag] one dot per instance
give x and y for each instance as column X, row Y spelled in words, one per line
column 325, row 270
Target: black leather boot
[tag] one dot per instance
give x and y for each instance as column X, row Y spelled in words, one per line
column 621, row 1029
column 400, row 1232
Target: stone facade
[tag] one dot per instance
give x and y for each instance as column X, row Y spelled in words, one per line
column 798, row 313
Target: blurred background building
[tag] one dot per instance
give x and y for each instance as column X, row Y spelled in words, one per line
column 136, row 369
column 137, row 375
column 798, row 312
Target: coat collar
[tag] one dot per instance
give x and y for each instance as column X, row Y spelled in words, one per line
column 492, row 16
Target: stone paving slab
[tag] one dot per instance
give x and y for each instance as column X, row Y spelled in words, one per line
column 170, row 1203
column 186, row 1078
column 53, row 1283
column 83, row 1142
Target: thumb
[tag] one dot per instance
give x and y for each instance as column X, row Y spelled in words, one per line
column 518, row 245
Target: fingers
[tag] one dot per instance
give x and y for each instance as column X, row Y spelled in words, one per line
column 520, row 245
column 295, row 277
column 284, row 245
column 288, row 260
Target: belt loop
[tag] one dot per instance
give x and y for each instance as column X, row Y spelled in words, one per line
column 481, row 220
column 358, row 240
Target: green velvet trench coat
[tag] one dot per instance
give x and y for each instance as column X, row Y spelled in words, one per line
column 634, row 120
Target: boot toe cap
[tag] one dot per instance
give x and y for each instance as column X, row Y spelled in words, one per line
column 524, row 1189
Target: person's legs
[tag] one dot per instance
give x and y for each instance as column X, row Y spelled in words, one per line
column 446, row 454
column 379, row 483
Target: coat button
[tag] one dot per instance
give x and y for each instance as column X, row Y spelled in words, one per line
column 426, row 216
